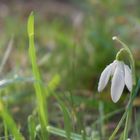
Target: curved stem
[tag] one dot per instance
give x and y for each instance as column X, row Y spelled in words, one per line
column 131, row 59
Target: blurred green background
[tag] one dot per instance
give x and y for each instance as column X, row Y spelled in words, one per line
column 73, row 39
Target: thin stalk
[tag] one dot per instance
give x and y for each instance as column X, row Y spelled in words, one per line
column 118, row 127
column 80, row 126
column 131, row 59
column 83, row 135
column 134, row 93
column 132, row 64
column 101, row 116
column 108, row 116
column 127, row 123
column 5, row 130
column 9, row 122
column 62, row 133
column 126, row 129
column 136, row 124
column 41, row 97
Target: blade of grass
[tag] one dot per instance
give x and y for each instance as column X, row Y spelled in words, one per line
column 137, row 124
column 101, row 120
column 42, row 112
column 50, row 90
column 52, row 85
column 67, row 120
column 62, row 133
column 83, row 135
column 5, row 131
column 9, row 122
column 6, row 55
column 31, row 127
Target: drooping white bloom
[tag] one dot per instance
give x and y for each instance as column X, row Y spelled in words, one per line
column 121, row 75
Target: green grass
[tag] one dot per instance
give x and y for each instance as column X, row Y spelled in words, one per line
column 40, row 95
column 49, row 72
column 10, row 124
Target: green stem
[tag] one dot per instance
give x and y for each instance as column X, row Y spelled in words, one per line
column 41, row 100
column 133, row 95
column 126, row 129
column 118, row 127
column 127, row 123
column 131, row 59
column 5, row 130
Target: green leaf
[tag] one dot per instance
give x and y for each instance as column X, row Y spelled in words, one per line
column 31, row 127
column 9, row 122
column 62, row 133
column 67, row 120
column 31, row 24
column 39, row 89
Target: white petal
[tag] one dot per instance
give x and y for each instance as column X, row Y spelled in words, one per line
column 104, row 78
column 128, row 77
column 113, row 66
column 117, row 82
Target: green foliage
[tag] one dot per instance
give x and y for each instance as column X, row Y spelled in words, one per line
column 66, row 61
column 41, row 98
column 31, row 127
column 9, row 123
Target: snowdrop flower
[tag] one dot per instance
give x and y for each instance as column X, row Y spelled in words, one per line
column 121, row 75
